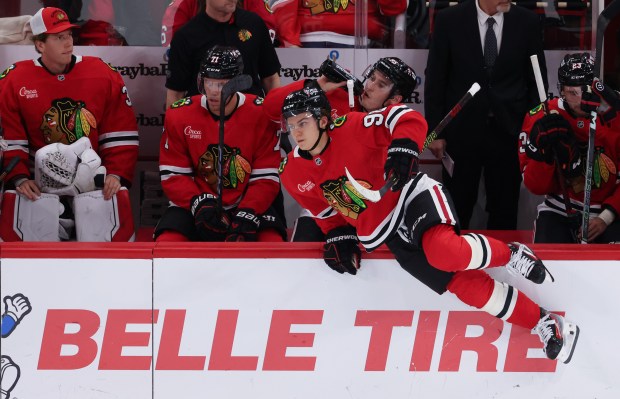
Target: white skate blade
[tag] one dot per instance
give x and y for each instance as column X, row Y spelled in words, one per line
column 570, row 334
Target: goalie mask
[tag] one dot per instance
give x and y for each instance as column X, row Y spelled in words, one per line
column 396, row 70
column 220, row 62
column 576, row 70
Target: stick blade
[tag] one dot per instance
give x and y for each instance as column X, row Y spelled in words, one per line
column 238, row 83
column 370, row 195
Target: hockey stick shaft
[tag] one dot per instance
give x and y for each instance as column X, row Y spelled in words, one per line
column 238, row 83
column 376, row 195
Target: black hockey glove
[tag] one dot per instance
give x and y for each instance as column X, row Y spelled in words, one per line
column 545, row 133
column 211, row 223
column 245, row 226
column 568, row 157
column 590, row 99
column 606, row 94
column 402, row 163
column 341, row 251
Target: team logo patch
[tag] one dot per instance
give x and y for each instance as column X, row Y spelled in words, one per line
column 181, row 103
column 259, row 101
column 244, row 35
column 536, row 109
column 282, row 165
column 339, row 121
column 343, row 197
column 580, row 124
column 112, row 67
column 67, row 121
column 6, row 71
column 235, row 168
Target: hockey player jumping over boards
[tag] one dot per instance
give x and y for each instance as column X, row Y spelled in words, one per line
column 415, row 219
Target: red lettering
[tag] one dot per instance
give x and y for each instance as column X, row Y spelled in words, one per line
column 425, row 336
column 280, row 338
column 382, row 322
column 223, row 338
column 456, row 342
column 168, row 357
column 521, row 340
column 116, row 337
column 55, row 337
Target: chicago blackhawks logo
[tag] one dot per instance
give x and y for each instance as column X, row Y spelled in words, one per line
column 66, row 121
column 181, row 103
column 6, row 71
column 321, row 6
column 341, row 196
column 603, row 169
column 235, row 168
column 244, row 35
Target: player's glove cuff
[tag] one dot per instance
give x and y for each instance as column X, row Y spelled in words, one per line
column 341, row 251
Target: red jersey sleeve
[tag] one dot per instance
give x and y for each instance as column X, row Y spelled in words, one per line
column 118, row 131
column 264, row 183
column 538, row 177
column 14, row 132
column 287, row 25
column 392, row 8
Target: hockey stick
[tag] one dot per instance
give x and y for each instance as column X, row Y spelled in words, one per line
column 601, row 25
column 238, row 83
column 375, row 195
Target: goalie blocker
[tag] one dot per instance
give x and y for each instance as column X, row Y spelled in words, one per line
column 96, row 220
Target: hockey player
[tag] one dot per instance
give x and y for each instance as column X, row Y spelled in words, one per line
column 415, row 218
column 557, row 133
column 189, row 162
column 386, row 82
column 59, row 98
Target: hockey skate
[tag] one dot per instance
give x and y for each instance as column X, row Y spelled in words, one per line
column 525, row 263
column 558, row 336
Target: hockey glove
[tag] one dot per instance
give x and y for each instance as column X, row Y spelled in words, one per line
column 341, row 251
column 590, row 99
column 402, row 163
column 212, row 224
column 245, row 226
column 568, row 157
column 611, row 98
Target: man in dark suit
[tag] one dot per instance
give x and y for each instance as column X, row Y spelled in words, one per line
column 483, row 137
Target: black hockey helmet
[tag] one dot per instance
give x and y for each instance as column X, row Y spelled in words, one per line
column 576, row 70
column 220, row 62
column 308, row 99
column 402, row 75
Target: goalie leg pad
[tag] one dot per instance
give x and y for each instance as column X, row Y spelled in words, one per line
column 25, row 220
column 98, row 220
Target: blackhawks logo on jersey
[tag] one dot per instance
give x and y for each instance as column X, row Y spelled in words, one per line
column 235, row 168
column 603, row 169
column 341, row 196
column 321, row 6
column 6, row 71
column 536, row 109
column 67, row 121
column 181, row 103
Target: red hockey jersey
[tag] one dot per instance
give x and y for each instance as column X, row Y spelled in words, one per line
column 188, row 154
column 359, row 142
column 317, row 21
column 540, row 178
column 39, row 108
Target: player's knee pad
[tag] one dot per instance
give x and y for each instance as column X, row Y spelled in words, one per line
column 25, row 220
column 98, row 220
